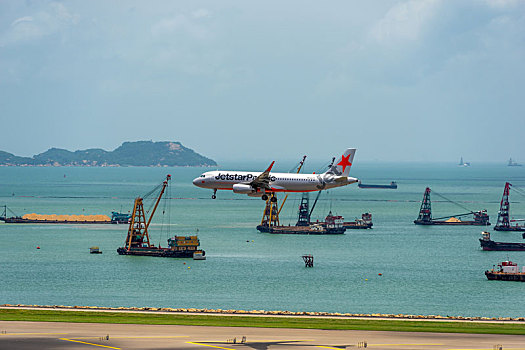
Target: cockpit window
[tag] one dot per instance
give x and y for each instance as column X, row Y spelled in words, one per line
column 203, row 175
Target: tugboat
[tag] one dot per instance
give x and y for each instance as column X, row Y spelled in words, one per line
column 138, row 242
column 120, row 218
column 506, row 271
column 363, row 223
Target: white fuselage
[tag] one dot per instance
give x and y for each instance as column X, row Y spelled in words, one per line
column 279, row 182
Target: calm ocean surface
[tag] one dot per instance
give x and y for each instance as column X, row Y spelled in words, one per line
column 425, row 270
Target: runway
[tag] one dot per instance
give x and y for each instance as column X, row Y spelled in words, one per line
column 59, row 335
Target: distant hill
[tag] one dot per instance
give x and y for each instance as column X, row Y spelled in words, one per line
column 139, row 153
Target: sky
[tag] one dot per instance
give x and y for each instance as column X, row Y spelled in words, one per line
column 424, row 80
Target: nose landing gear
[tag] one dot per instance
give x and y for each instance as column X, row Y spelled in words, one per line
column 264, row 197
column 214, row 195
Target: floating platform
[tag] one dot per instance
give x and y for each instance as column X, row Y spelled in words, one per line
column 488, row 244
column 506, row 271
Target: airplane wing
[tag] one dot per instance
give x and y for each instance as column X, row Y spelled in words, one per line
column 263, row 180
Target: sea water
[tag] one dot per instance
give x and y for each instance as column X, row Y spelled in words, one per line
column 428, row 270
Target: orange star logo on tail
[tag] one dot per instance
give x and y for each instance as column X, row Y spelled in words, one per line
column 344, row 162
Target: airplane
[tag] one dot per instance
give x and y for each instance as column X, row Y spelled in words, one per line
column 257, row 184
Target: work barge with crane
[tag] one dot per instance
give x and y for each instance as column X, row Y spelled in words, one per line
column 332, row 225
column 138, row 240
column 481, row 218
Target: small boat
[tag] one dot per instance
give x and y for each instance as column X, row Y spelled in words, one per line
column 463, row 164
column 94, row 250
column 513, row 163
column 393, row 185
column 506, row 271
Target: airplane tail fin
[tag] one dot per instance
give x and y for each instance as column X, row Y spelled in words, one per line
column 342, row 165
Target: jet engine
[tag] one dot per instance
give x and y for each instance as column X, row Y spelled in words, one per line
column 243, row 189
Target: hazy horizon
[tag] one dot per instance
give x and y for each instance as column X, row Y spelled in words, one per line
column 427, row 80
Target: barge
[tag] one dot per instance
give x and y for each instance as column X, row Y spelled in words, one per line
column 138, row 242
column 506, row 271
column 116, row 218
column 393, row 185
column 488, row 244
column 314, row 229
column 481, row 218
column 333, row 225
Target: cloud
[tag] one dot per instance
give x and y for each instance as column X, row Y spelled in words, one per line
column 502, row 4
column 49, row 20
column 405, row 21
column 201, row 13
column 180, row 24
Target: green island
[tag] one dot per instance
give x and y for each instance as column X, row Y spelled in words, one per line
column 139, row 153
column 262, row 321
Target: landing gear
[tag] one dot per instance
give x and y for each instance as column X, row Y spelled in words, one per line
column 264, row 197
column 273, row 199
column 214, row 195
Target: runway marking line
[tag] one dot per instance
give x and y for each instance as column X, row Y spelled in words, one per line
column 33, row 333
column 260, row 341
column 141, row 337
column 409, row 345
column 327, row 347
column 211, row 346
column 83, row 342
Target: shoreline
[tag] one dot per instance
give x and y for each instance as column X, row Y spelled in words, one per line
column 265, row 313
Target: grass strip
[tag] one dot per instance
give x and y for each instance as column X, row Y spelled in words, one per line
column 264, row 322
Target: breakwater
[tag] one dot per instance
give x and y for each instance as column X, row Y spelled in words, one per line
column 191, row 311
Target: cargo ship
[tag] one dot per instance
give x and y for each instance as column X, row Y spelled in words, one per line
column 138, row 242
column 481, row 217
column 488, row 244
column 506, row 271
column 393, row 185
column 65, row 219
column 504, row 222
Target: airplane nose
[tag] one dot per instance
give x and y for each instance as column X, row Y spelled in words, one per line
column 198, row 181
